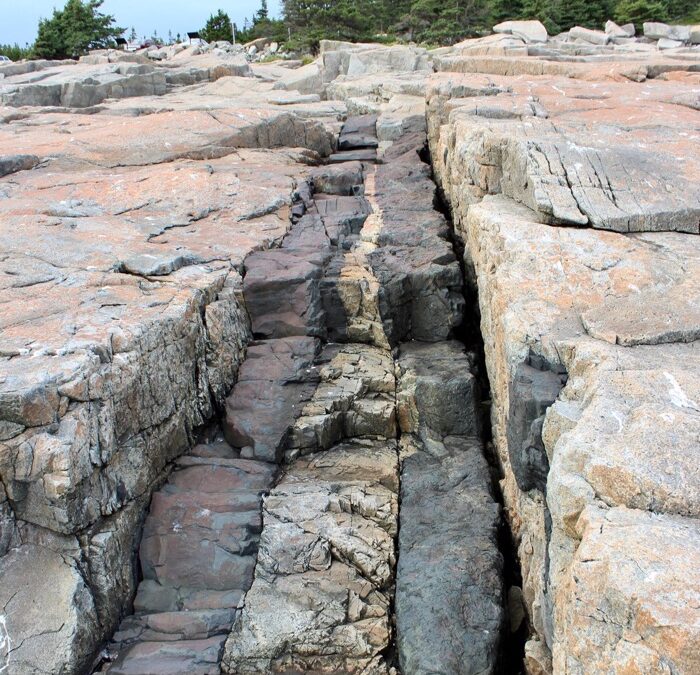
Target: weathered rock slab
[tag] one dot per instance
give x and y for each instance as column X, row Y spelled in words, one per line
column 322, row 591
column 449, row 594
column 276, row 379
column 635, row 583
column 529, row 31
column 563, row 163
column 32, row 632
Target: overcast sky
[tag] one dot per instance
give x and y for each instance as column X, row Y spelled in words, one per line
column 19, row 18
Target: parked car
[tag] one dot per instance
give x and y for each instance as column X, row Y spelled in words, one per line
column 4, row 59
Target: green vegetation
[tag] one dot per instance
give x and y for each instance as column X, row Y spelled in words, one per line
column 448, row 21
column 15, row 52
column 218, row 27
column 639, row 11
column 262, row 25
column 560, row 15
column 80, row 26
column 692, row 17
column 74, row 30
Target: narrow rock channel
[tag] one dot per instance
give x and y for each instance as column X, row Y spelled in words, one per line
column 275, row 545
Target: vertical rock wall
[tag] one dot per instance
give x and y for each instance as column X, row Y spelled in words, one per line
column 584, row 333
column 116, row 349
column 84, row 516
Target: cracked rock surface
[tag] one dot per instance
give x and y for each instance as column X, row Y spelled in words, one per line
column 449, row 620
column 123, row 327
column 608, row 161
column 239, row 430
column 591, row 350
column 327, row 575
column 321, row 597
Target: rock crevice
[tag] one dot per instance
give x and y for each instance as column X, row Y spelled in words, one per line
column 577, row 343
column 221, row 220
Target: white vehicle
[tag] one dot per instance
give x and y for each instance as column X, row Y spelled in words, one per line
column 4, row 59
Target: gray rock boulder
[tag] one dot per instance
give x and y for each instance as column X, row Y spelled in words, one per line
column 387, row 60
column 529, row 31
column 594, row 37
column 437, row 390
column 657, row 31
column 614, row 30
column 306, row 80
column 13, row 163
column 35, row 635
column 534, row 387
column 666, row 43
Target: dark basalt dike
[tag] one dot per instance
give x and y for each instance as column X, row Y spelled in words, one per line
column 354, row 394
column 380, row 364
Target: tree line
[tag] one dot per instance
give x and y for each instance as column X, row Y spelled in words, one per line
column 439, row 22
column 80, row 26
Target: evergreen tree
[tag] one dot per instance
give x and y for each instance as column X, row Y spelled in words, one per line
column 312, row 20
column 74, row 30
column 680, row 9
column 639, row 11
column 262, row 14
column 15, row 52
column 587, row 13
column 262, row 26
column 504, row 10
column 546, row 11
column 448, row 21
column 218, row 27
column 132, row 36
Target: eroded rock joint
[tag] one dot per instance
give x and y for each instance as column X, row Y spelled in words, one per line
column 181, row 221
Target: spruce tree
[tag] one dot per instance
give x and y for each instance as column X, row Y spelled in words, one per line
column 587, row 13
column 546, row 11
column 447, row 21
column 262, row 14
column 262, row 26
column 310, row 21
column 218, row 27
column 505, row 10
column 639, row 11
column 74, row 30
column 680, row 9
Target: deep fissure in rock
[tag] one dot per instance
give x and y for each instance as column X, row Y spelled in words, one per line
column 510, row 660
column 332, row 415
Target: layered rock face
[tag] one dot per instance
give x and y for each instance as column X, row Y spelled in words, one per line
column 123, row 329
column 572, row 158
column 95, row 79
column 241, row 407
column 590, row 342
column 327, row 578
